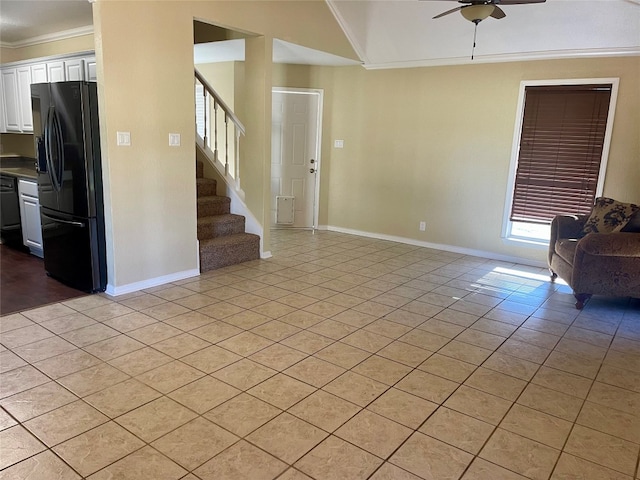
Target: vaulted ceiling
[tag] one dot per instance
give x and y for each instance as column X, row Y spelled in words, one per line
column 402, row 33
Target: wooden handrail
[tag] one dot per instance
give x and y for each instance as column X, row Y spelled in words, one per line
column 218, row 99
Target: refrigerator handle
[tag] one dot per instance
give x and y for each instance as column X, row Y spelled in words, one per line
column 47, row 148
column 55, row 123
column 59, row 220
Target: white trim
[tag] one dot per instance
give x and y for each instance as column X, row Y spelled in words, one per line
column 437, row 246
column 151, row 282
column 50, row 37
column 345, row 26
column 320, row 93
column 509, row 57
column 266, row 254
column 517, row 133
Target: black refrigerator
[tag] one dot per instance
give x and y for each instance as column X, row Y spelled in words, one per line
column 67, row 144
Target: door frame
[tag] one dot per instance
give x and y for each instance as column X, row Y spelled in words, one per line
column 320, row 94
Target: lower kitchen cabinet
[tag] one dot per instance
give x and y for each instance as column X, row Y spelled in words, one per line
column 30, row 216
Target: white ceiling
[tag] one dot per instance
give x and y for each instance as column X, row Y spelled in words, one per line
column 399, row 33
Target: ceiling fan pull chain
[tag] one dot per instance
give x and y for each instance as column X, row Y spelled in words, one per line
column 475, row 31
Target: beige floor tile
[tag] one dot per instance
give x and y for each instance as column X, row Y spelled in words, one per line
column 405, row 353
column 519, row 454
column 204, row 394
column 6, row 420
column 431, row 459
column 619, row 377
column 143, row 302
column 457, row 429
column 278, row 357
column 314, row 371
column 458, row 316
column 170, row 376
column 9, row 361
column 301, row 319
column 430, row 387
column 154, row 333
column 536, row 425
column 114, row 347
column 406, row 318
column 244, row 374
column 242, row 460
column 535, row 337
column 121, row 398
column 44, row 466
column 17, row 444
column 210, row 359
column 140, row 361
column 91, row 334
column 481, row 339
column 25, row 335
column 189, row 320
column 496, row 383
column 194, row 443
column 287, row 437
column 92, row 379
column 36, row 401
column 216, row 332
column 324, row 410
column 272, row 309
column 356, row 388
column 615, row 397
column 165, row 311
column 97, row 448
column 335, row 459
column 465, row 352
column 387, row 328
column 307, row 342
column 482, row 470
column 525, row 351
column 603, row 449
column 623, row 360
column 352, row 317
column 245, row 343
column 481, row 405
column 564, row 382
column 48, row 312
column 247, row 319
column 550, row 401
column 374, row 433
column 447, row 367
column 611, row 421
column 382, row 369
column 281, row 391
column 403, row 407
column 65, row 422
column 220, row 310
column 570, row 466
column 342, row 355
column 423, row 339
column 275, row 330
column 332, row 329
column 144, row 464
column 242, row 414
column 67, row 363
column 494, row 327
column 156, row 418
column 129, row 322
column 581, row 349
column 181, row 345
column 391, row 472
column 43, row 349
column 513, row 366
column 575, row 364
column 293, row 474
column 13, row 322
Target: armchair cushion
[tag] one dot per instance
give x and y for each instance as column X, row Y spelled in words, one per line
column 566, row 248
column 609, row 216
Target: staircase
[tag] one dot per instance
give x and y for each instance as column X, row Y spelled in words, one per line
column 223, row 241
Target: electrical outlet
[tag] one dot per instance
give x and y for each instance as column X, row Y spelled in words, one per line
column 423, row 226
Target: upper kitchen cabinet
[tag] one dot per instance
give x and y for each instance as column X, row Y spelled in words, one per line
column 16, row 80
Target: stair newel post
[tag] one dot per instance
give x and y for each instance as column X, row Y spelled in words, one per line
column 215, row 127
column 236, row 160
column 226, row 143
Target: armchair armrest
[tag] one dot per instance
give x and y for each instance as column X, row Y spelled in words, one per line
column 616, row 244
column 565, row 226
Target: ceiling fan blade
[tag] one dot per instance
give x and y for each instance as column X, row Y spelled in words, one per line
column 448, row 12
column 518, row 2
column 497, row 13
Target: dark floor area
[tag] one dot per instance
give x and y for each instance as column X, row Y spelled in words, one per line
column 24, row 283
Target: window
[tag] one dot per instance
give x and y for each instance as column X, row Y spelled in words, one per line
column 560, row 154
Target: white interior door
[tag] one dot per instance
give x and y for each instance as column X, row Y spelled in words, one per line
column 295, row 151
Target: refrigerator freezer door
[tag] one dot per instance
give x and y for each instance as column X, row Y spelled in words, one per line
column 73, row 253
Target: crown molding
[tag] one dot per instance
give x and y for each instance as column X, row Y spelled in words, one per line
column 511, row 57
column 344, row 25
column 50, row 37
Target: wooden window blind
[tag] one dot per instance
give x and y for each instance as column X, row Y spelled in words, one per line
column 561, row 145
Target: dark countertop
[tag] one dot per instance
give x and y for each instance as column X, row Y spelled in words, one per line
column 18, row 166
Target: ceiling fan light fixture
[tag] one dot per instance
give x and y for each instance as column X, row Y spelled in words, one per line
column 476, row 13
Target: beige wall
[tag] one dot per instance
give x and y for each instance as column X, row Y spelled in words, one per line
column 17, row 143
column 434, row 144
column 82, row 43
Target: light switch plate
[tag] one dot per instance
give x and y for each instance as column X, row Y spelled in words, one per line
column 174, row 139
column 338, row 143
column 124, row 139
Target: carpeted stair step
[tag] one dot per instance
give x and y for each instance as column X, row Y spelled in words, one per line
column 219, row 226
column 199, row 169
column 206, row 187
column 229, row 250
column 213, row 205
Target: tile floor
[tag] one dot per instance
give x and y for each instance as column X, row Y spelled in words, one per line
column 340, row 358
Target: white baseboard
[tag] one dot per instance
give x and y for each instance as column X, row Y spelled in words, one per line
column 266, row 254
column 114, row 291
column 437, row 246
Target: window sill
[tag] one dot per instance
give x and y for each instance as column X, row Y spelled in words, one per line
column 536, row 243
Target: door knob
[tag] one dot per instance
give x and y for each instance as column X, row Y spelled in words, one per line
column 312, row 161
column 312, row 170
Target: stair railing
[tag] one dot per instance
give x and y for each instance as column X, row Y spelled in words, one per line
column 211, row 111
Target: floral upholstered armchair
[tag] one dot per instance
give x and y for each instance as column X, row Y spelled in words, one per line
column 598, row 254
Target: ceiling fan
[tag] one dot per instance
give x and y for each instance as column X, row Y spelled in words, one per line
column 477, row 10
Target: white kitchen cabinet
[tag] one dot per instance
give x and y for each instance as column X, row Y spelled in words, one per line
column 55, row 71
column 24, row 98
column 3, row 111
column 90, row 74
column 74, row 69
column 10, row 95
column 39, row 73
column 30, row 216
